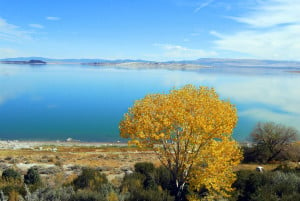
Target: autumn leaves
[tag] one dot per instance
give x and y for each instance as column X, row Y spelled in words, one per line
column 190, row 129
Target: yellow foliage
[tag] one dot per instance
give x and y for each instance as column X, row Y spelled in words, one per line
column 13, row 196
column 190, row 129
column 112, row 196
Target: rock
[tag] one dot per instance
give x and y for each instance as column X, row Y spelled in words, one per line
column 128, row 172
column 259, row 169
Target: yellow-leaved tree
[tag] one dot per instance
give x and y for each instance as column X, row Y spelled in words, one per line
column 190, row 129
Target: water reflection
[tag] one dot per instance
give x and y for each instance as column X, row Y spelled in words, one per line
column 60, row 101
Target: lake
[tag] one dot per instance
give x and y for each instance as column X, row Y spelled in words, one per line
column 55, row 102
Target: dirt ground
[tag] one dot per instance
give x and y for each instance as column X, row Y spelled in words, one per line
column 64, row 160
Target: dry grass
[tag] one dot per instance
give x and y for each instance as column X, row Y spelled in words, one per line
column 267, row 167
column 113, row 157
column 110, row 157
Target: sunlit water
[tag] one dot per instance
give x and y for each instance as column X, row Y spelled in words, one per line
column 54, row 102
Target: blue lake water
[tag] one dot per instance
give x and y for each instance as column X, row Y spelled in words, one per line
column 54, row 102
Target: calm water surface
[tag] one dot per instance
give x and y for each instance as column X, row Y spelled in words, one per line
column 54, row 102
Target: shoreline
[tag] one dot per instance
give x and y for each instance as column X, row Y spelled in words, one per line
column 125, row 65
column 39, row 144
column 31, row 144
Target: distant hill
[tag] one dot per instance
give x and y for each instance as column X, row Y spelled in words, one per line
column 212, row 62
column 241, row 63
column 48, row 60
column 25, row 59
column 32, row 61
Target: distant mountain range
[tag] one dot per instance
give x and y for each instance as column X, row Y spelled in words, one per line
column 50, row 60
column 207, row 62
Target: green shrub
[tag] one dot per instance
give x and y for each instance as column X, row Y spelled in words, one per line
column 9, row 188
column 106, row 189
column 132, row 182
column 85, row 195
column 32, row 177
column 11, row 174
column 52, row 194
column 277, row 185
column 164, row 178
column 90, row 179
column 11, row 183
column 251, row 155
column 147, row 183
column 148, row 170
column 285, row 167
column 150, row 195
column 144, row 168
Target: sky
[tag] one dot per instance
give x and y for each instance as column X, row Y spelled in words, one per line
column 159, row 30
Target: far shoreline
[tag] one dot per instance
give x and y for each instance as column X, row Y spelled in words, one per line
column 33, row 144
column 23, row 144
column 125, row 65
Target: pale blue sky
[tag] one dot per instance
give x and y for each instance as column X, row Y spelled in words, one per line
column 150, row 29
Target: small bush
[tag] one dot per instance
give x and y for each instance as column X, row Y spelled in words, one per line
column 251, row 155
column 11, row 174
column 147, row 183
column 150, row 195
column 85, row 195
column 112, row 196
column 285, row 167
column 144, row 168
column 164, row 178
column 267, row 186
column 16, row 188
column 32, row 177
column 52, row 194
column 132, row 181
column 90, row 179
column 148, row 170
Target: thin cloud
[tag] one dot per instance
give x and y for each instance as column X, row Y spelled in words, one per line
column 11, row 32
column 273, row 33
column 53, row 18
column 179, row 52
column 272, row 13
column 203, row 5
column 39, row 26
